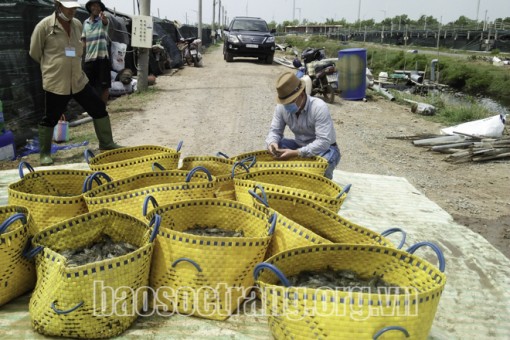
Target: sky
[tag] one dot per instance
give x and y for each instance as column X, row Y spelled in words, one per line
column 320, row 10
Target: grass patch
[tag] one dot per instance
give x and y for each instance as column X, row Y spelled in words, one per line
column 133, row 102
column 446, row 113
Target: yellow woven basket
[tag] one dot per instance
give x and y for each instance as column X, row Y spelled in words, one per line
column 306, row 313
column 321, row 221
column 17, row 272
column 297, row 183
column 96, row 300
column 129, row 161
column 127, row 195
column 287, row 233
column 206, row 276
column 220, row 168
column 264, row 160
column 51, row 196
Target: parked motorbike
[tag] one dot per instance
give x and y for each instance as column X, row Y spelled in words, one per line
column 320, row 76
column 190, row 51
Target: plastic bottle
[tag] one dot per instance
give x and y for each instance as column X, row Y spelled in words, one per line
column 2, row 128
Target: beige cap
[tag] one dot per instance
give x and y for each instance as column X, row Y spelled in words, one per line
column 69, row 3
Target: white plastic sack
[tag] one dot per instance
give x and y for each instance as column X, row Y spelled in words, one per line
column 489, row 127
column 113, row 75
column 118, row 55
column 119, row 89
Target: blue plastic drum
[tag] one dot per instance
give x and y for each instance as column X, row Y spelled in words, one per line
column 352, row 73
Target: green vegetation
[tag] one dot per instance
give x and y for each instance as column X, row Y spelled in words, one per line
column 447, row 113
column 134, row 102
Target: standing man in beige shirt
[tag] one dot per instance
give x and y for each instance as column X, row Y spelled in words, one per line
column 56, row 45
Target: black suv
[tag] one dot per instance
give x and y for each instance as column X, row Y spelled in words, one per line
column 249, row 37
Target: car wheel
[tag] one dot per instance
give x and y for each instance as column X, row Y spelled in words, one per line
column 329, row 94
column 269, row 59
column 229, row 57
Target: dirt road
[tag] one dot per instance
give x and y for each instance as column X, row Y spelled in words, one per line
column 228, row 107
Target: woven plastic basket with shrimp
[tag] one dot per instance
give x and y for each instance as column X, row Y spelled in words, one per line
column 408, row 305
column 51, row 196
column 129, row 161
column 17, row 272
column 98, row 299
column 207, row 276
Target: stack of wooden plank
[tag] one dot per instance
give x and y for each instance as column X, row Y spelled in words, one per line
column 465, row 148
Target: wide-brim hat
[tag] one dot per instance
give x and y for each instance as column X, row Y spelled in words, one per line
column 90, row 2
column 288, row 88
column 69, row 3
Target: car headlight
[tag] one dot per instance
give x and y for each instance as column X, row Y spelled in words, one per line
column 270, row 40
column 233, row 39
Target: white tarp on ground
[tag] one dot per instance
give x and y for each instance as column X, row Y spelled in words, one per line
column 475, row 303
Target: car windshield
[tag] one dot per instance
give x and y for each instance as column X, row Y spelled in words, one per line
column 247, row 25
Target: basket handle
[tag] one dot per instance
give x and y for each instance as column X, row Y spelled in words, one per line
column 96, row 176
column 156, row 166
column 274, row 269
column 272, row 220
column 88, row 154
column 20, row 168
column 396, row 230
column 179, row 145
column 185, row 259
column 236, row 164
column 198, row 168
column 60, row 311
column 345, row 190
column 156, row 220
column 251, row 159
column 391, row 328
column 262, row 199
column 221, row 154
column 30, row 253
column 434, row 247
column 146, row 201
column 10, row 220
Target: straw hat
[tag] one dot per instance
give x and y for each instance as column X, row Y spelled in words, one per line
column 288, row 87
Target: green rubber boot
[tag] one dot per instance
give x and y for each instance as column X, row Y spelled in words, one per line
column 45, row 137
column 103, row 130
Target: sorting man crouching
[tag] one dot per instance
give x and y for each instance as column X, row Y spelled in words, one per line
column 310, row 121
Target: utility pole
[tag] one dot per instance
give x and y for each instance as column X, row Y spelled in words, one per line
column 143, row 53
column 438, row 34
column 200, row 19
column 293, row 10
column 359, row 12
column 213, row 27
column 477, row 11
column 219, row 14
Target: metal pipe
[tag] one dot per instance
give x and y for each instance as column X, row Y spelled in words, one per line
column 433, row 69
column 383, row 91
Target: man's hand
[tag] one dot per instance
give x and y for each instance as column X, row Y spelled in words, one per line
column 288, row 153
column 273, row 150
column 103, row 18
